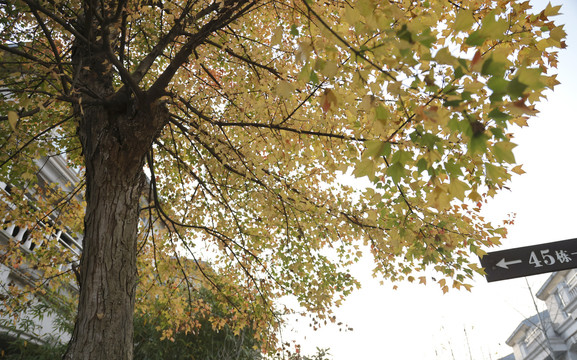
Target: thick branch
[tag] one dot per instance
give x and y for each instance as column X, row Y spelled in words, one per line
column 230, row 11
column 176, row 30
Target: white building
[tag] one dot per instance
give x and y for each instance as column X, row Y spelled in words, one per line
column 34, row 326
column 551, row 334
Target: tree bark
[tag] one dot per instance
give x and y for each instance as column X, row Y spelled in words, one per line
column 104, row 328
column 116, row 127
column 115, row 145
column 116, row 130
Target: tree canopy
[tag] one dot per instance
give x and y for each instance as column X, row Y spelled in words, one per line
column 232, row 130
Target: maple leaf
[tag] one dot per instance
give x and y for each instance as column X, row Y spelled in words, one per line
column 328, row 99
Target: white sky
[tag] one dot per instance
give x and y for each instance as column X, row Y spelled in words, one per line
column 418, row 322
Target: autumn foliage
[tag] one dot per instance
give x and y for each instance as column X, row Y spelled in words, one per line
column 280, row 141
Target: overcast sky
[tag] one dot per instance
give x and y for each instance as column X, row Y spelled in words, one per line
column 420, row 323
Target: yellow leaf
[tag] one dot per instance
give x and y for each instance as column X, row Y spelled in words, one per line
column 464, row 20
column 520, row 121
column 558, row 33
column 457, row 189
column 328, row 99
column 439, row 197
column 551, row 10
column 330, row 69
column 518, row 170
column 284, row 89
column 276, row 37
column 475, row 196
column 394, row 88
column 12, row 119
column 444, row 56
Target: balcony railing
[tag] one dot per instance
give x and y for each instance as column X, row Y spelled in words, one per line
column 22, row 234
column 535, row 339
column 572, row 287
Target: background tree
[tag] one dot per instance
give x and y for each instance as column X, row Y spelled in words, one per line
column 152, row 341
column 243, row 114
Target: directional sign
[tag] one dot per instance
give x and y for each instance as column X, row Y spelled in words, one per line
column 530, row 260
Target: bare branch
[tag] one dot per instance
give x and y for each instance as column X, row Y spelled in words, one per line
column 55, row 51
column 246, row 59
column 65, row 24
column 346, row 43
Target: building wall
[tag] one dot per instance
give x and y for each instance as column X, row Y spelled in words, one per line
column 33, row 324
column 551, row 334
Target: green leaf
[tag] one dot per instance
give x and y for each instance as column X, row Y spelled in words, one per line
column 494, row 173
column 459, row 72
column 422, row 165
column 402, row 156
column 382, row 113
column 452, row 103
column 405, row 34
column 498, row 84
column 429, row 140
column 478, row 144
column 453, row 169
column 477, row 38
column 516, row 88
column 313, row 78
column 495, row 30
column 444, row 56
column 426, row 38
column 498, row 133
column 466, row 95
column 458, row 188
column 374, row 148
column 454, row 124
column 503, row 151
column 531, row 77
column 496, row 97
column 294, row 30
column 396, row 171
column 492, row 67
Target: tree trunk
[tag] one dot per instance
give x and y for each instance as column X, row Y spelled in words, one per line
column 114, row 180
column 104, row 327
column 115, row 144
column 116, row 128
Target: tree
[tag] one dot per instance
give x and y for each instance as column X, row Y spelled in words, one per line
column 243, row 114
column 150, row 341
column 205, row 342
